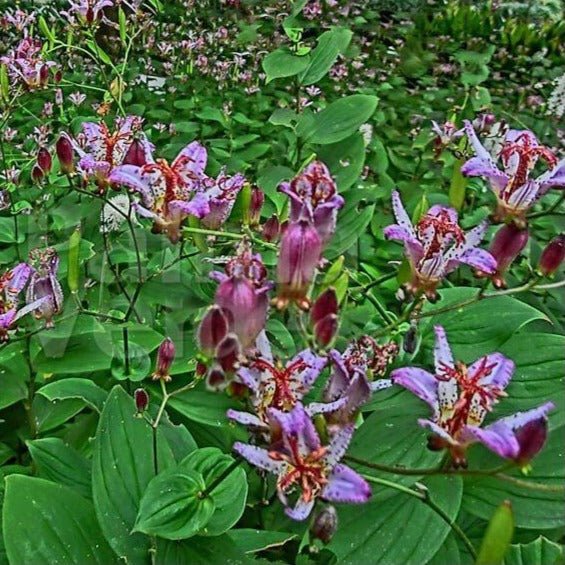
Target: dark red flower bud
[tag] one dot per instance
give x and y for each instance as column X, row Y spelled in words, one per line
column 255, row 206
column 58, row 76
column 410, row 340
column 531, row 438
column 89, row 16
column 325, row 525
column 37, row 173
column 271, row 229
column 165, row 358
column 43, row 75
column 326, row 329
column 213, row 329
column 228, row 353
column 200, row 369
column 324, row 305
column 141, row 399
column 506, row 246
column 135, row 154
column 65, row 154
column 552, row 255
column 216, row 378
column 44, row 160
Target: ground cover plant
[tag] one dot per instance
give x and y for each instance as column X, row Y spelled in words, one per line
column 282, row 282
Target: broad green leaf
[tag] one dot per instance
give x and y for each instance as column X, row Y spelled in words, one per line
column 202, row 406
column 251, row 541
column 280, row 337
column 122, row 467
column 61, row 464
column 339, row 120
column 330, row 44
column 351, row 222
column 46, row 523
column 541, row 551
column 7, row 229
column 229, row 496
column 51, row 414
column 171, row 506
column 81, row 389
column 14, row 373
column 200, row 551
column 345, row 160
column 400, row 529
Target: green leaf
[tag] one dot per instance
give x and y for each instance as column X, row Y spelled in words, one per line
column 82, row 389
column 371, row 534
column 498, row 536
column 46, row 523
column 351, row 222
column 457, row 186
column 202, row 406
column 339, row 120
column 14, row 373
column 280, row 337
column 330, row 44
column 49, row 415
column 7, row 229
column 61, row 464
column 122, row 467
column 345, row 160
column 541, row 551
column 251, row 541
column 171, row 506
column 200, row 551
column 229, row 496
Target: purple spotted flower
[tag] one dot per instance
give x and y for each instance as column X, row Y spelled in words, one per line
column 169, row 192
column 89, row 11
column 222, row 194
column 313, row 197
column 437, row 245
column 512, row 184
column 461, row 397
column 302, row 463
column 44, row 290
column 101, row 150
column 274, row 385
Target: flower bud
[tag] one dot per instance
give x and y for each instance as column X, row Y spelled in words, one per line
column 44, row 160
column 135, row 154
column 141, row 400
column 43, row 75
column 213, row 329
column 300, row 252
column 506, row 246
column 271, row 229
column 255, row 206
column 410, row 340
column 531, row 438
column 216, row 378
column 325, row 304
column 325, row 525
column 165, row 358
column 37, row 173
column 326, row 329
column 228, row 353
column 552, row 255
column 65, row 154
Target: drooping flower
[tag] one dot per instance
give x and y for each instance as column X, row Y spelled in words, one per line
column 101, row 151
column 552, row 256
column 324, row 317
column 44, row 289
column 165, row 358
column 169, row 192
column 461, row 396
column 274, row 385
column 437, row 245
column 303, row 463
column 313, row 197
column 512, row 184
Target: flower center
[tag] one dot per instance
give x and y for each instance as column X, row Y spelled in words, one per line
column 442, row 227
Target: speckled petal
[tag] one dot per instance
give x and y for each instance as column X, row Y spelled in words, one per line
column 345, row 485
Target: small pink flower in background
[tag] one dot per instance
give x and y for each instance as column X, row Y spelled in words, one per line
column 87, row 11
column 77, row 98
column 461, row 396
column 437, row 245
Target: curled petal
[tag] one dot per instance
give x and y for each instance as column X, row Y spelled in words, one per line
column 442, row 352
column 401, row 215
column 500, row 370
column 437, row 430
column 315, row 365
column 479, row 259
column 520, row 419
column 345, row 485
column 259, row 457
column 555, row 178
column 301, row 510
column 498, row 437
column 245, row 418
column 198, row 206
column 339, row 444
column 419, row 382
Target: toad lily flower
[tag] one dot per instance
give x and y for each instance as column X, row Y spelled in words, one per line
column 436, row 246
column 302, row 462
column 169, row 192
column 313, row 196
column 273, row 385
column 101, row 150
column 512, row 184
column 461, row 397
column 89, row 11
column 222, row 195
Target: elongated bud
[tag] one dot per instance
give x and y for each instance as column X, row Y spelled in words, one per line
column 506, row 246
column 498, row 536
column 44, row 160
column 325, row 525
column 326, row 329
column 165, row 358
column 213, row 329
column 135, row 154
column 531, row 438
column 410, row 340
column 65, row 154
column 37, row 173
column 43, row 75
column 141, row 400
column 552, row 255
column 271, row 229
column 300, row 252
column 255, row 205
column 324, row 305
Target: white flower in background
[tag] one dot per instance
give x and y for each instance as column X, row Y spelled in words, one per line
column 556, row 102
column 366, row 131
column 115, row 212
